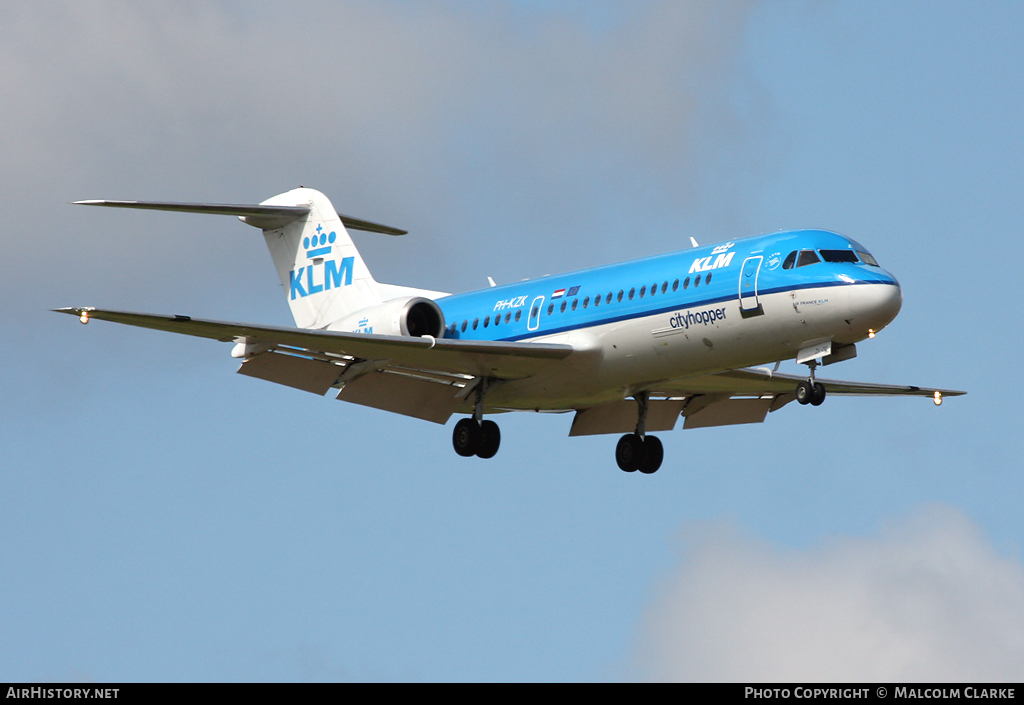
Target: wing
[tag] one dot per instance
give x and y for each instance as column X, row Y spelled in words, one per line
column 423, row 377
column 747, row 395
column 723, row 399
column 761, row 381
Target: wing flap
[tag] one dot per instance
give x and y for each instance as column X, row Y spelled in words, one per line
column 621, row 416
column 728, row 412
column 401, row 394
column 477, row 358
column 314, row 376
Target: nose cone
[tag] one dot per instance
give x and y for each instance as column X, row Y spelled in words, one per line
column 874, row 306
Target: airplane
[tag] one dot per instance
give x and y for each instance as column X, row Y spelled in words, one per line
column 629, row 347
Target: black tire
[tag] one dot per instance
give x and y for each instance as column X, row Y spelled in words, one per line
column 629, row 452
column 804, row 392
column 654, row 453
column 490, row 439
column 819, row 394
column 466, row 437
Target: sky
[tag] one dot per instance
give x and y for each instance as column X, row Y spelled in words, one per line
column 164, row 519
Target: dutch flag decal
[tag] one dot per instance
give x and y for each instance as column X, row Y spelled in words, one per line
column 558, row 294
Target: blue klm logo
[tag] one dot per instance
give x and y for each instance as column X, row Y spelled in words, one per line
column 317, row 246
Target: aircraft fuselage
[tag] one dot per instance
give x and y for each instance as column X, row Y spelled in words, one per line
column 747, row 302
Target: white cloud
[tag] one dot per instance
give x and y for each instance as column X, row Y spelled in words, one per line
column 928, row 599
column 438, row 115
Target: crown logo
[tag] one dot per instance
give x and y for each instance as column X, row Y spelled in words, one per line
column 319, row 244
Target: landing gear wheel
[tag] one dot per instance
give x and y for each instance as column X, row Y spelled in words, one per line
column 490, row 439
column 805, row 392
column 466, row 437
column 654, row 453
column 630, row 452
column 819, row 394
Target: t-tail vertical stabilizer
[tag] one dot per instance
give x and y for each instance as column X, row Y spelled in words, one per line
column 323, row 275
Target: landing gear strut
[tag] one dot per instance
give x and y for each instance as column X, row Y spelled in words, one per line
column 476, row 436
column 638, row 451
column 809, row 391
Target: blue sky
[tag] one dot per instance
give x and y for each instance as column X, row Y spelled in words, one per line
column 162, row 518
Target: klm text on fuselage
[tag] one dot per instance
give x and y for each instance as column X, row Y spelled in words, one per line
column 314, row 282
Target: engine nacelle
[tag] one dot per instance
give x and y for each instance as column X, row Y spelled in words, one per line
column 412, row 316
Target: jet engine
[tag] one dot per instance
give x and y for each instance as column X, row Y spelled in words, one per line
column 412, row 316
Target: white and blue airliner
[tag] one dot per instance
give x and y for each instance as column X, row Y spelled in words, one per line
column 629, row 347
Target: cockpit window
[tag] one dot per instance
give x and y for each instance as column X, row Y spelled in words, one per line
column 838, row 255
column 807, row 257
column 867, row 258
column 790, row 260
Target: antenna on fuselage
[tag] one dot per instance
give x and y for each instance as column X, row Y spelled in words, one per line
column 693, row 242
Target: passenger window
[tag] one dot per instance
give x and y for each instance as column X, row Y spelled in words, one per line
column 575, row 303
column 790, row 260
column 508, row 317
column 707, row 279
column 519, row 313
column 808, row 257
column 551, row 309
column 561, row 309
column 609, row 299
column 532, row 314
column 464, row 324
column 686, row 283
column 586, row 302
column 487, row 321
column 664, row 287
column 675, row 285
column 620, row 295
column 597, row 301
column 643, row 290
column 632, row 293
column 696, row 280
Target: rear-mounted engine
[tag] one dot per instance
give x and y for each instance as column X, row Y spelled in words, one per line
column 412, row 316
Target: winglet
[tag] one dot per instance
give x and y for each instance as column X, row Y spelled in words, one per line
column 693, row 242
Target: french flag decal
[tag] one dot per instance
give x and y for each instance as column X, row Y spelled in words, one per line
column 558, row 294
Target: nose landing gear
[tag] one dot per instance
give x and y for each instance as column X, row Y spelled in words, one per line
column 638, row 451
column 809, row 391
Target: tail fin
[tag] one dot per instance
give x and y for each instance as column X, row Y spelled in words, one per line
column 324, row 277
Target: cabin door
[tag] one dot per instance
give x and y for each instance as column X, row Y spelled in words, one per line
column 533, row 322
column 749, row 303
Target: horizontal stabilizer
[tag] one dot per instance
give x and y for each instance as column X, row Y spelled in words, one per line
column 264, row 217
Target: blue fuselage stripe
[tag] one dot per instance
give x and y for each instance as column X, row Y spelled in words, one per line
column 653, row 272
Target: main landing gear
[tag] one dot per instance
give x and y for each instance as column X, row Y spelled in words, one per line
column 480, row 438
column 809, row 391
column 638, row 451
column 477, row 436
